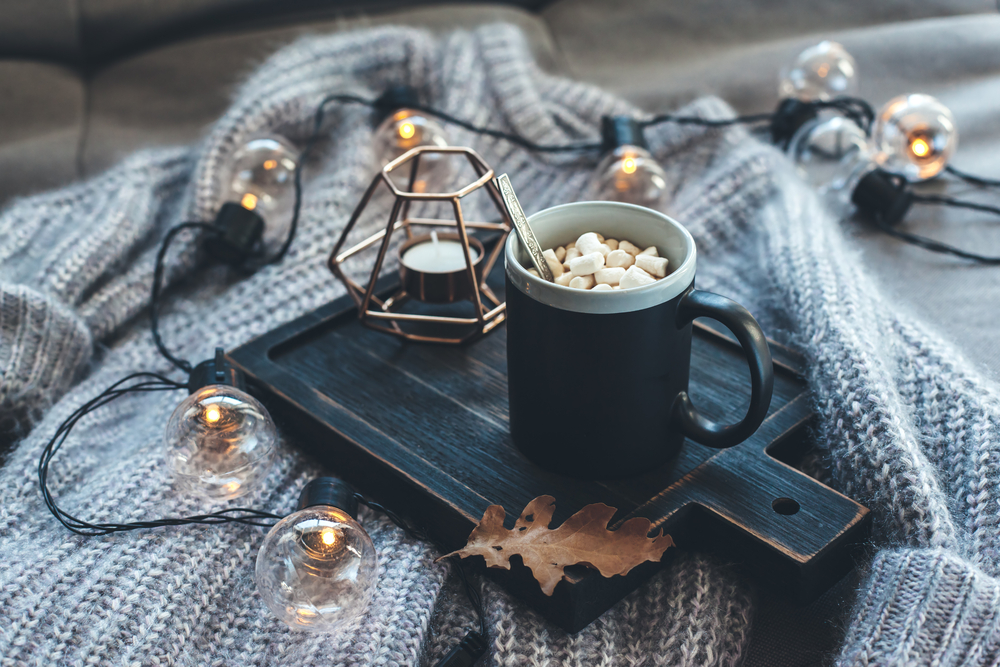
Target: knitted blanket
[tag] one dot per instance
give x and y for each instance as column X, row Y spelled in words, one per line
column 905, row 426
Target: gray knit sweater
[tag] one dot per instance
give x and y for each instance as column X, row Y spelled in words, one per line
column 906, row 426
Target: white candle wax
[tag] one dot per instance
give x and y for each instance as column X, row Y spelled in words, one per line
column 437, row 256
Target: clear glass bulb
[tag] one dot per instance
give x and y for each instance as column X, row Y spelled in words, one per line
column 820, row 73
column 630, row 174
column 317, row 569
column 261, row 177
column 220, row 442
column 832, row 155
column 408, row 129
column 915, row 136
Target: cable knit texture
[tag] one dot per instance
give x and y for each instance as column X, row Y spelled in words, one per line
column 905, row 426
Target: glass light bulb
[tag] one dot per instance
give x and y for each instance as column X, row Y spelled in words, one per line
column 317, row 569
column 220, row 442
column 832, row 155
column 915, row 136
column 408, row 129
column 261, row 177
column 821, row 72
column 630, row 174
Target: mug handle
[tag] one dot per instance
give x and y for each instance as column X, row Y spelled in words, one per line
column 736, row 318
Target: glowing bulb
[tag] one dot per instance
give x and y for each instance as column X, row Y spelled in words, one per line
column 821, row 72
column 317, row 568
column 407, row 129
column 261, row 177
column 630, row 174
column 915, row 135
column 832, row 155
column 220, row 443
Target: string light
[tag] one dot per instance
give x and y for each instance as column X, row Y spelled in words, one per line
column 317, row 568
column 405, row 128
column 260, row 178
column 628, row 172
column 819, row 73
column 220, row 441
column 915, row 135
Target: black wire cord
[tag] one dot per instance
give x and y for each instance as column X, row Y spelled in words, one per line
column 939, row 246
column 971, row 178
column 143, row 383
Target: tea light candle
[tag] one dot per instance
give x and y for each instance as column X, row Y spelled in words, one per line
column 437, row 256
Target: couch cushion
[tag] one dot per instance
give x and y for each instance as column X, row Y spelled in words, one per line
column 114, row 27
column 170, row 95
column 41, row 118
column 39, row 29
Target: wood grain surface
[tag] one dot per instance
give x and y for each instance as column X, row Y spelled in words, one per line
column 423, row 429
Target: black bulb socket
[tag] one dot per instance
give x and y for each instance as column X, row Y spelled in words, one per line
column 216, row 371
column 617, row 131
column 883, row 196
column 329, row 491
column 395, row 97
column 238, row 232
column 467, row 653
column 790, row 115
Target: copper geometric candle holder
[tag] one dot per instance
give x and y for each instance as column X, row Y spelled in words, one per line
column 435, row 268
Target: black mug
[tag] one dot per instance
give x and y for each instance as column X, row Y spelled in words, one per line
column 598, row 380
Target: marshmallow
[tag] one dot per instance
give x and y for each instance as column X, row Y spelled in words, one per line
column 571, row 254
column 599, row 237
column 588, row 243
column 601, row 287
column 582, row 282
column 565, row 267
column 564, row 279
column 570, row 245
column 628, row 247
column 534, row 273
column 561, row 254
column 609, row 276
column 604, row 249
column 618, row 258
column 555, row 266
column 611, row 243
column 635, row 277
column 655, row 266
column 586, row 265
column 651, row 250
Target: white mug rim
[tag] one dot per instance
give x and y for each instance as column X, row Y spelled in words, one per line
column 603, row 302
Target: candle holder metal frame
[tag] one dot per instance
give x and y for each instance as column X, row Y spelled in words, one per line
column 384, row 315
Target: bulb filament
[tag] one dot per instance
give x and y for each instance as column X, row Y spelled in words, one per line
column 407, row 130
column 920, row 147
column 213, row 414
column 628, row 165
column 249, row 201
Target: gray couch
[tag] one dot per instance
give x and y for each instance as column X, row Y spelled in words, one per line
column 86, row 82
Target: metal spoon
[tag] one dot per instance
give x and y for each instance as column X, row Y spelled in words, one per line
column 524, row 233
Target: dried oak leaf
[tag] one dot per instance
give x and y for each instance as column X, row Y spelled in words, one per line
column 584, row 539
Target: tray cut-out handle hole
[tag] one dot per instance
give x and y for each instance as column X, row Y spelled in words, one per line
column 785, row 506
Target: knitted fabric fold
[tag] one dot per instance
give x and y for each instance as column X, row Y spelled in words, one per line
column 926, row 607
column 904, row 425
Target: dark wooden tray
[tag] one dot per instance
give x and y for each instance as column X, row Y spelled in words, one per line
column 423, row 430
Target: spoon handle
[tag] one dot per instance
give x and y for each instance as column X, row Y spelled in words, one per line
column 520, row 222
